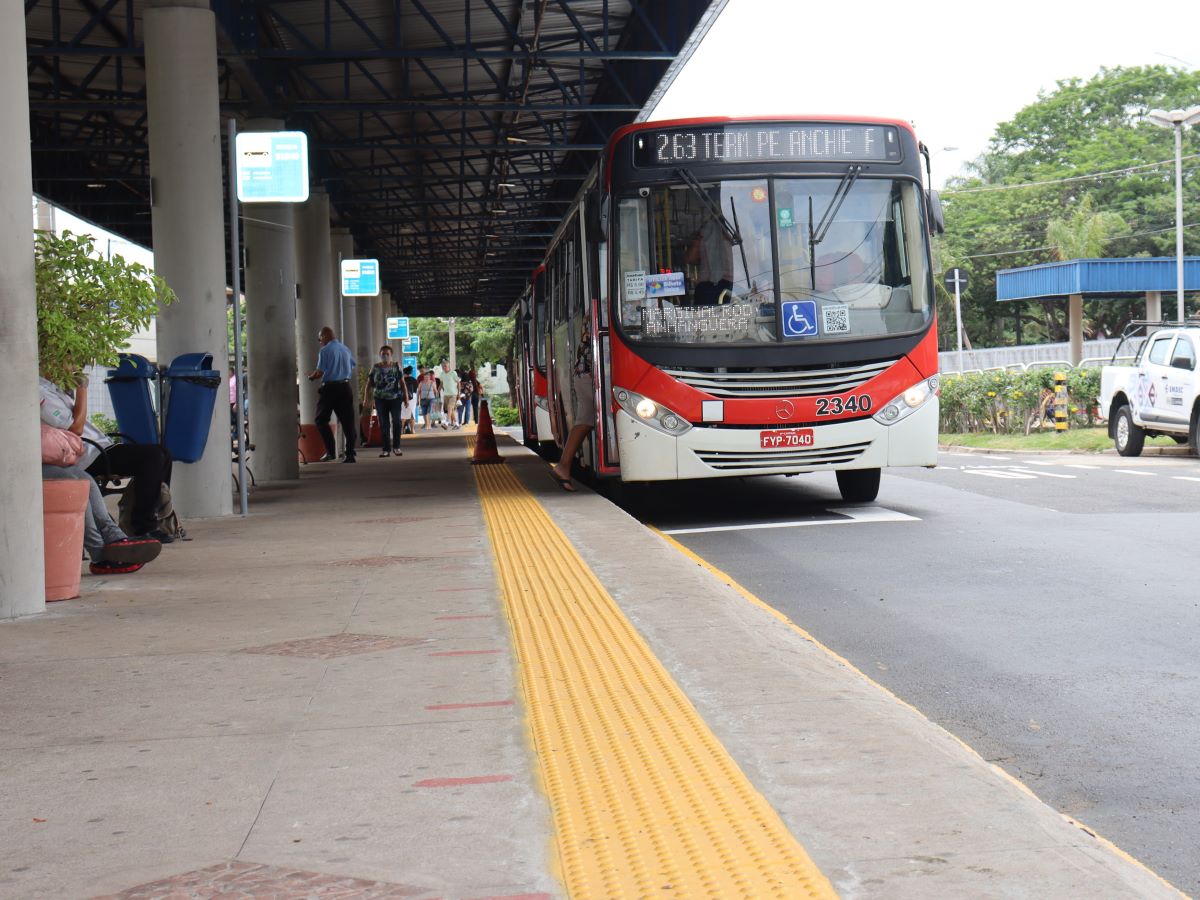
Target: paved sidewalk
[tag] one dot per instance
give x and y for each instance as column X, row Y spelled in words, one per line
column 322, row 698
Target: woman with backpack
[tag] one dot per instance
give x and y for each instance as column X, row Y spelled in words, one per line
column 390, row 393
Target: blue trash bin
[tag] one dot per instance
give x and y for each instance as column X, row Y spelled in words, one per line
column 193, row 387
column 129, row 386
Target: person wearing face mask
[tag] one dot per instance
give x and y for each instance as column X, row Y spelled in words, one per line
column 386, row 382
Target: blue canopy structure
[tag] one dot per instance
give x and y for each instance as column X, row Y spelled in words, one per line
column 1097, row 279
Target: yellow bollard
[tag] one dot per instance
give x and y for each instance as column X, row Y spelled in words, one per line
column 1060, row 401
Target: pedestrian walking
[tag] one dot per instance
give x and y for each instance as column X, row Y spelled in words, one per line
column 466, row 391
column 449, row 381
column 390, row 393
column 476, row 394
column 408, row 413
column 335, row 367
column 426, row 397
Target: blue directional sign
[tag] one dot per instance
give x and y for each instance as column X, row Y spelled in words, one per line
column 272, row 166
column 411, row 345
column 410, row 361
column 800, row 318
column 397, row 327
column 360, row 278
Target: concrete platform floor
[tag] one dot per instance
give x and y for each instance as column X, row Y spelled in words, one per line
column 320, row 700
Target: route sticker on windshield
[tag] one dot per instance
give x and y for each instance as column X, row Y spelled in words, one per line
column 835, row 318
column 669, row 284
column 635, row 285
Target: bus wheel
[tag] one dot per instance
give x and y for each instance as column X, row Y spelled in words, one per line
column 858, row 485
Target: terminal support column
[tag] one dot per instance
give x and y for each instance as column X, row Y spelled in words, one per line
column 341, row 246
column 271, row 331
column 313, row 304
column 367, row 346
column 1075, row 323
column 22, row 570
column 188, row 222
column 379, row 326
column 1153, row 306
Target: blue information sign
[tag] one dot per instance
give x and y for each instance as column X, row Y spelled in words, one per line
column 272, row 166
column 410, row 362
column 397, row 327
column 412, row 344
column 360, row 278
column 800, row 318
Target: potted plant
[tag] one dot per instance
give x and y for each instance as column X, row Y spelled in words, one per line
column 87, row 309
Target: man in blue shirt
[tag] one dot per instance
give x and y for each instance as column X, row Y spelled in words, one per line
column 335, row 367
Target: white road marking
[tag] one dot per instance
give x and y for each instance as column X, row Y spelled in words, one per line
column 1185, row 478
column 1135, row 472
column 1044, row 474
column 1039, row 462
column 1081, row 466
column 856, row 514
column 998, row 473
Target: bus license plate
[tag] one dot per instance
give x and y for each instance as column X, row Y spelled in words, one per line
column 790, row 437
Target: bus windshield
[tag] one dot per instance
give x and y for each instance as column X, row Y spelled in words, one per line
column 765, row 260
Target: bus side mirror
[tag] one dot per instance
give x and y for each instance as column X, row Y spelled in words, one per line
column 937, row 218
column 596, row 217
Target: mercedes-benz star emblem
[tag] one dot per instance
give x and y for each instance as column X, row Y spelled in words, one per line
column 784, row 409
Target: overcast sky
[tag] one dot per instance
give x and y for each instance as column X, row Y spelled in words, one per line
column 955, row 70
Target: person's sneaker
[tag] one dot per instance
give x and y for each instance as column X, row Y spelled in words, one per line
column 385, row 453
column 327, row 458
column 156, row 534
column 104, row 567
column 132, row 550
column 349, row 459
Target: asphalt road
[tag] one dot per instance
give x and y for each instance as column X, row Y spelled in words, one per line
column 1045, row 609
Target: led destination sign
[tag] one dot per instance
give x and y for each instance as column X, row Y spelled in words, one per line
column 766, row 143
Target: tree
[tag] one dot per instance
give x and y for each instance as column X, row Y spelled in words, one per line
column 1085, row 137
column 1083, row 233
column 476, row 340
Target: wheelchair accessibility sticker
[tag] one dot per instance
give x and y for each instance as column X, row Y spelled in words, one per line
column 800, row 318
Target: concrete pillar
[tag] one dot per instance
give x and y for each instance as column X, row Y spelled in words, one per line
column 1075, row 326
column 314, row 307
column 271, row 331
column 379, row 327
column 22, row 570
column 1154, row 306
column 341, row 246
column 367, row 347
column 189, row 223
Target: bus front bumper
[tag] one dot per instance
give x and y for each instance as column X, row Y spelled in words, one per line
column 648, row 454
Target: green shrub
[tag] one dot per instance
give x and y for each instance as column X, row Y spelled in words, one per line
column 1014, row 402
column 104, row 423
column 505, row 415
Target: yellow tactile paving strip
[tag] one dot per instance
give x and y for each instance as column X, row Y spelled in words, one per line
column 646, row 801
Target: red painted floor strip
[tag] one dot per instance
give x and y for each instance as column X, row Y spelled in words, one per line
column 460, row 618
column 465, row 652
column 471, row 705
column 455, row 782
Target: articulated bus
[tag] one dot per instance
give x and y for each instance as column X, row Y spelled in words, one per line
column 757, row 299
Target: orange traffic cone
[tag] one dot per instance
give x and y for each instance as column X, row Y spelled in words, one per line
column 485, row 439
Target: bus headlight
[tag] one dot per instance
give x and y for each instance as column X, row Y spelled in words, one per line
column 908, row 402
column 653, row 414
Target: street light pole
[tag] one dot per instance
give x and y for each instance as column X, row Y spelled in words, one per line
column 1177, row 119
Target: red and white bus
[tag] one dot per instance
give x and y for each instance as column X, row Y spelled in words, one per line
column 531, row 364
column 759, row 299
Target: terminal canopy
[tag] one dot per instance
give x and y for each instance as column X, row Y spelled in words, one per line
column 450, row 135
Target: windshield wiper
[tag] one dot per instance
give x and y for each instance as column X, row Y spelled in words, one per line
column 817, row 233
column 710, row 205
column 732, row 233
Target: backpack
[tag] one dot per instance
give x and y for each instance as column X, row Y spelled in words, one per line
column 167, row 519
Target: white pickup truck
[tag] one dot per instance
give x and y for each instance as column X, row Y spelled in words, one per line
column 1158, row 395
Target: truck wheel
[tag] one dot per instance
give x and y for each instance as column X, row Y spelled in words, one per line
column 1194, row 432
column 1129, row 436
column 858, row 485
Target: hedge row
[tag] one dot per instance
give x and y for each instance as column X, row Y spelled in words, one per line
column 1015, row 402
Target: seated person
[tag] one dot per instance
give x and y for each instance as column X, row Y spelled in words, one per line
column 710, row 250
column 148, row 464
column 111, row 551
